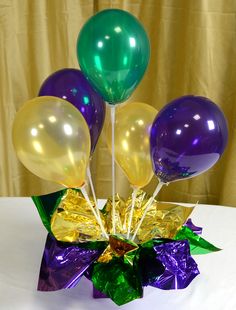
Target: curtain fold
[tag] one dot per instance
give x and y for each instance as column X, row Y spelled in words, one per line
column 193, row 51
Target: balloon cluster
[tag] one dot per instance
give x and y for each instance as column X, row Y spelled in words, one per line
column 56, row 133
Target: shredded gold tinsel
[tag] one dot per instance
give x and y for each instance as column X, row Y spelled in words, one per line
column 73, row 221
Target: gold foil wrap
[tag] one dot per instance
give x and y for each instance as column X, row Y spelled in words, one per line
column 73, row 221
column 118, row 246
column 163, row 220
column 120, row 206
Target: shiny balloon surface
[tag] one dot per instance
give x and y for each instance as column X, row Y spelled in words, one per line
column 52, row 140
column 113, row 52
column 71, row 85
column 188, row 137
column 132, row 146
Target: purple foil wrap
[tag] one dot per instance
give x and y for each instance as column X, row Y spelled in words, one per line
column 197, row 230
column 180, row 267
column 63, row 264
column 98, row 294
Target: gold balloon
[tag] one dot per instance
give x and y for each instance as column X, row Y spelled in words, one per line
column 52, row 140
column 133, row 123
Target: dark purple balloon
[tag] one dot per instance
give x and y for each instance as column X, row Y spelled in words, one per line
column 71, row 85
column 188, row 136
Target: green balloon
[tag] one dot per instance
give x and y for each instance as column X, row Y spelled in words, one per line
column 113, row 52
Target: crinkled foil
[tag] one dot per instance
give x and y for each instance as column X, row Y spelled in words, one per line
column 117, row 280
column 98, row 294
column 118, row 268
column 162, row 263
column 119, row 210
column 180, row 267
column 64, row 264
column 198, row 245
column 46, row 206
column 149, row 265
column 118, row 247
column 196, row 229
column 73, row 220
column 163, row 220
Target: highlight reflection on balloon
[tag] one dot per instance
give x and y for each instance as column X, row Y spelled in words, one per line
column 71, row 85
column 132, row 146
column 188, row 137
column 113, row 52
column 52, row 140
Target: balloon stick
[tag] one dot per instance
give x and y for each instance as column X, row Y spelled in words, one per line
column 134, row 195
column 92, row 189
column 113, row 168
column 98, row 218
column 95, row 200
column 149, row 203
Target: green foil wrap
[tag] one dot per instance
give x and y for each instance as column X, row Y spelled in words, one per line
column 46, row 206
column 198, row 245
column 118, row 280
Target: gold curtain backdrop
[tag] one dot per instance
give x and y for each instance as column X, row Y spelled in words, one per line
column 193, row 51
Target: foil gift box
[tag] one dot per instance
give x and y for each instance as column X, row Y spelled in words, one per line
column 119, row 268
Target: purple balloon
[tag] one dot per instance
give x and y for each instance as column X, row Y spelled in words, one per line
column 71, row 85
column 188, row 136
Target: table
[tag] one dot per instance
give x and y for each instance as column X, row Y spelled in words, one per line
column 22, row 243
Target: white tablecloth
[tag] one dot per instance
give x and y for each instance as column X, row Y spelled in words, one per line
column 22, row 243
